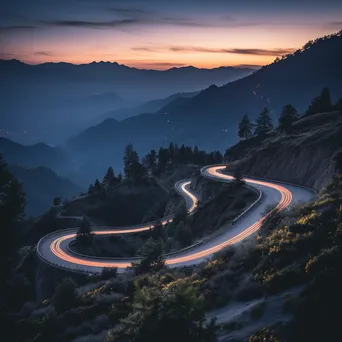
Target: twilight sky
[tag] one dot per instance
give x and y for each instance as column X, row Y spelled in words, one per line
column 160, row 34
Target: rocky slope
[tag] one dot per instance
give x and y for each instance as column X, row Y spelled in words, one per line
column 310, row 156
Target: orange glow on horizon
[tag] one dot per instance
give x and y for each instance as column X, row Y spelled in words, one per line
column 157, row 49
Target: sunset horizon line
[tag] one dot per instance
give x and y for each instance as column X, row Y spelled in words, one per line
column 140, row 66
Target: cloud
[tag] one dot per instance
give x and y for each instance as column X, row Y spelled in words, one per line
column 144, row 49
column 250, row 66
column 92, row 24
column 119, row 23
column 131, row 16
column 42, row 53
column 335, row 25
column 239, row 51
column 257, row 52
column 17, row 27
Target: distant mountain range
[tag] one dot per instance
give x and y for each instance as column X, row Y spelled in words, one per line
column 40, row 168
column 41, row 155
column 41, row 185
column 59, row 99
column 34, row 155
column 146, row 107
column 210, row 118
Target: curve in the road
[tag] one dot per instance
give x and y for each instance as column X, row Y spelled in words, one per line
column 54, row 250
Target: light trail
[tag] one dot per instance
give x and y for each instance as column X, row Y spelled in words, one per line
column 214, row 171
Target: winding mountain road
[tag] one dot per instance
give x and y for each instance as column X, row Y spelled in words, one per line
column 54, row 248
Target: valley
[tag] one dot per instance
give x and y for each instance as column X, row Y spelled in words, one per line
column 187, row 189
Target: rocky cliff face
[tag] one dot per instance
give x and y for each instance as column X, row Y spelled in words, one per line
column 310, row 156
column 206, row 188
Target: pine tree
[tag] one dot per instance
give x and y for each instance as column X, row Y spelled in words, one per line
column 264, row 123
column 91, row 189
column 288, row 115
column 171, row 152
column 338, row 105
column 57, row 201
column 109, row 178
column 84, row 235
column 182, row 155
column 163, row 158
column 325, row 100
column 196, row 156
column 245, row 128
column 151, row 160
column 12, row 207
column 176, row 157
column 97, row 187
column 189, row 154
column 131, row 159
column 321, row 103
column 119, row 178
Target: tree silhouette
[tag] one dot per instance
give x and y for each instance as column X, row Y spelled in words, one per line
column 264, row 123
column 65, row 295
column 151, row 160
column 57, row 201
column 119, row 178
column 183, row 234
column 12, row 206
column 173, row 312
column 238, row 180
column 91, row 189
column 288, row 115
column 152, row 257
column 97, row 187
column 338, row 105
column 245, row 127
column 321, row 103
column 163, row 158
column 133, row 169
column 196, row 156
column 84, row 235
column 109, row 178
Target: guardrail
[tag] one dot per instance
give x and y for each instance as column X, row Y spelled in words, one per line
column 203, row 169
column 246, row 211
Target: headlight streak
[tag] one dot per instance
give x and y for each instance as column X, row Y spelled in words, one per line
column 286, row 198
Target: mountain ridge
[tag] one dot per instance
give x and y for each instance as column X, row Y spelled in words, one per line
column 210, row 118
column 19, row 62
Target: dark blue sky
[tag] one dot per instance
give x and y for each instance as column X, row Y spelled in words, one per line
column 162, row 33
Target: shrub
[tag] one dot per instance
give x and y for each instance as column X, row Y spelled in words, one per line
column 264, row 335
column 109, row 272
column 65, row 295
